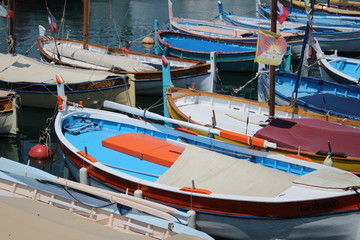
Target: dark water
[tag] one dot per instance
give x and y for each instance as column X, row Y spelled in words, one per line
column 131, row 21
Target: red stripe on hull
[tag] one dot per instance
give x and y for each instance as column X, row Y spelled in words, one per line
column 223, row 206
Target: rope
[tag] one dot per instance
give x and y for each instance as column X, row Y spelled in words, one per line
column 236, row 90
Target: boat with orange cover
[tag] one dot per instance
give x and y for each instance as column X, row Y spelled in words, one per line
column 233, row 192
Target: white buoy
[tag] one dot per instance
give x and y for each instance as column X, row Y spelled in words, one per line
column 83, row 176
column 328, row 161
column 192, row 219
column 138, row 193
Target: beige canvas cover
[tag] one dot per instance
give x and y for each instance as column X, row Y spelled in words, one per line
column 225, row 175
column 20, row 68
column 329, row 178
column 105, row 60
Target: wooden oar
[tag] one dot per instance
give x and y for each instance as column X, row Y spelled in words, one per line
column 219, row 132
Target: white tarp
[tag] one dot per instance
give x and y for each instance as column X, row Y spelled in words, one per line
column 225, row 175
column 105, row 60
column 20, row 68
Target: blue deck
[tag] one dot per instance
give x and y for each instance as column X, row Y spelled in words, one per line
column 92, row 137
column 198, row 45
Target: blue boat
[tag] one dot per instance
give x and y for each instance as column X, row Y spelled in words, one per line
column 230, row 56
column 331, row 38
column 313, row 94
column 222, row 31
column 320, row 18
column 343, row 70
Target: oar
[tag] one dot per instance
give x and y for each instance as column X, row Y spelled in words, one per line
column 219, row 132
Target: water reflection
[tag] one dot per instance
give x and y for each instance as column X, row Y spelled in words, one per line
column 114, row 24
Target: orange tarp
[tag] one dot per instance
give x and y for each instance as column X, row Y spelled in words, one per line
column 146, row 147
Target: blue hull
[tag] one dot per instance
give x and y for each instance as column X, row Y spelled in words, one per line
column 230, row 56
column 314, row 94
column 321, row 18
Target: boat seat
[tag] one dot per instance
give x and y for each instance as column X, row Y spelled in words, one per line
column 145, row 147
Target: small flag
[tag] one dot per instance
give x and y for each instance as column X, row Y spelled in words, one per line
column 271, row 48
column 282, row 12
column 52, row 22
column 4, row 12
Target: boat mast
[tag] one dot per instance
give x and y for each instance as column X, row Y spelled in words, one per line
column 86, row 24
column 11, row 29
column 271, row 102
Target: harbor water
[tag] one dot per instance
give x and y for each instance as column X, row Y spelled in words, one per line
column 113, row 23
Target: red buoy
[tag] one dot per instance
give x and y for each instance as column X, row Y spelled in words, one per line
column 41, row 152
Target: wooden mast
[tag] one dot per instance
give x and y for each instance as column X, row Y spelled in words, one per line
column 272, row 67
column 86, row 24
column 11, row 29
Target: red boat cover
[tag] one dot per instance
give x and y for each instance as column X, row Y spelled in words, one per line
column 312, row 135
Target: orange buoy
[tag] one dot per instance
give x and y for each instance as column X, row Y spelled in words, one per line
column 148, row 40
column 41, row 152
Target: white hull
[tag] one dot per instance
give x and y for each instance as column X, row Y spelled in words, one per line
column 147, row 82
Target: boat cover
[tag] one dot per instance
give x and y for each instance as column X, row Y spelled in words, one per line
column 110, row 61
column 225, row 175
column 342, row 106
column 20, row 68
column 312, row 135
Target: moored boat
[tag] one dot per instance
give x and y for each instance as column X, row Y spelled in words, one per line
column 221, row 31
column 313, row 94
column 337, row 7
column 35, row 82
column 146, row 68
column 319, row 18
column 42, row 199
column 148, row 80
column 339, row 69
column 331, row 38
column 230, row 56
column 280, row 192
column 252, row 119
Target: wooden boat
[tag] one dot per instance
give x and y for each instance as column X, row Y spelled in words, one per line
column 313, row 94
column 35, row 82
column 230, row 56
column 319, row 18
column 216, row 29
column 147, row 82
column 9, row 109
column 251, row 118
column 44, row 200
column 222, row 31
column 343, row 70
column 331, row 38
column 174, row 168
column 146, row 68
column 338, row 7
